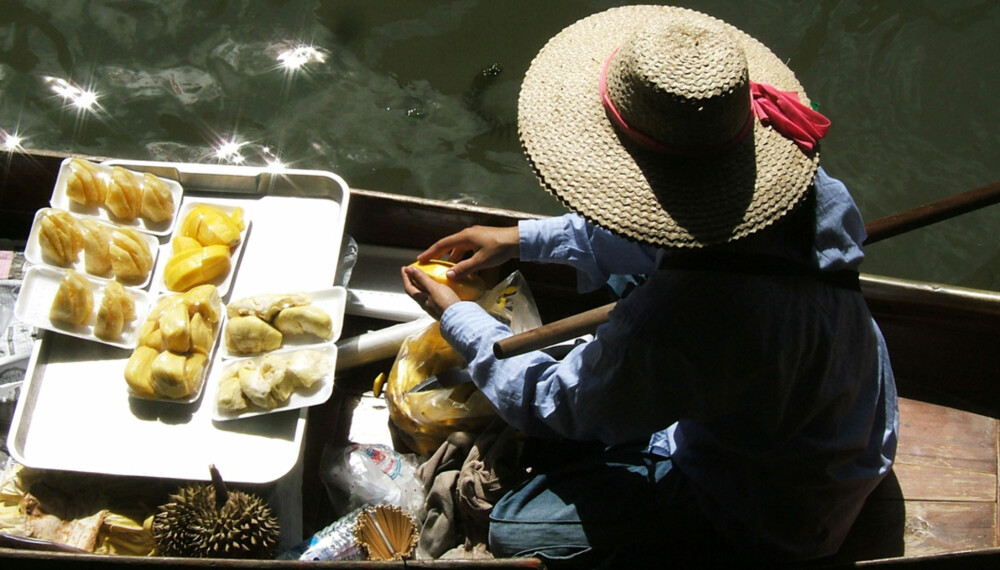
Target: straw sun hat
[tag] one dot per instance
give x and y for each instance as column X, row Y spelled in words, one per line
column 640, row 119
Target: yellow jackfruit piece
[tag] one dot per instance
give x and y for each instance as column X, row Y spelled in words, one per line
column 195, row 267
column 468, row 288
column 138, row 371
column 194, row 371
column 212, row 226
column 202, row 335
column 184, row 243
column 167, row 375
column 204, row 299
column 175, row 326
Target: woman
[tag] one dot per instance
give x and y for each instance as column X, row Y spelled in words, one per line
column 742, row 395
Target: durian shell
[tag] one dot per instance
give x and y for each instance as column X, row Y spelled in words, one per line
column 191, row 525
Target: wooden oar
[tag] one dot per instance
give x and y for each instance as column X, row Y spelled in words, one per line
column 882, row 228
column 932, row 212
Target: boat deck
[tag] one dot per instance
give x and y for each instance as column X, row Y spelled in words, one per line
column 942, row 494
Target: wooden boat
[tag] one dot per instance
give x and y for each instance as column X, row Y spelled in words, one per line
column 939, row 507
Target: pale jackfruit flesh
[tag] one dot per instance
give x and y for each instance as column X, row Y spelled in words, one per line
column 74, row 300
column 97, row 247
column 230, row 397
column 124, row 197
column 306, row 367
column 268, row 305
column 249, row 335
column 60, row 237
column 85, row 184
column 258, row 389
column 157, row 202
column 131, row 258
column 306, row 319
column 117, row 310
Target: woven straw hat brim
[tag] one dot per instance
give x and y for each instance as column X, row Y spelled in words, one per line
column 652, row 198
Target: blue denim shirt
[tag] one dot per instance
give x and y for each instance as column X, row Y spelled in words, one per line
column 772, row 393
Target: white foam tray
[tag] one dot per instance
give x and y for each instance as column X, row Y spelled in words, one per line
column 38, row 290
column 33, row 250
column 61, row 201
column 74, row 413
column 332, row 300
column 300, row 398
column 223, row 282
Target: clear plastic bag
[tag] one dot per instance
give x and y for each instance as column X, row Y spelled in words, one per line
column 371, row 474
column 424, row 419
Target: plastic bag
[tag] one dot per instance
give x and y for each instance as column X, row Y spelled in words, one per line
column 425, row 419
column 370, row 474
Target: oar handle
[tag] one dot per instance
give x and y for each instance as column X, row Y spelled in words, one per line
column 932, row 212
column 552, row 333
column 882, row 228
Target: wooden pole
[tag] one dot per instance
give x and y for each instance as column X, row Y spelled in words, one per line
column 882, row 228
column 932, row 212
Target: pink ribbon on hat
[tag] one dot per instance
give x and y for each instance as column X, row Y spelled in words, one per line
column 782, row 110
column 787, row 115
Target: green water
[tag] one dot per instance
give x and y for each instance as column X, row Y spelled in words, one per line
column 419, row 97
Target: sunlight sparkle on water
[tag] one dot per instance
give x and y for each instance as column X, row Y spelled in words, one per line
column 229, row 151
column 83, row 99
column 298, row 56
column 12, row 141
column 275, row 166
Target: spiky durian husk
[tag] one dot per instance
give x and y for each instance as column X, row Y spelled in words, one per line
column 191, row 525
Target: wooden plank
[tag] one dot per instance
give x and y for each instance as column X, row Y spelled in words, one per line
column 895, row 528
column 933, row 435
column 933, row 527
column 922, row 483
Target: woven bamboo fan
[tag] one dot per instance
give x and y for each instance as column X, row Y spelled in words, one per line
column 386, row 532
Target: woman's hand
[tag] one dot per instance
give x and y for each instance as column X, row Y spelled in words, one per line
column 433, row 297
column 490, row 247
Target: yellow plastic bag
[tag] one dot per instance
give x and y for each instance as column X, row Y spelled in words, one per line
column 425, row 419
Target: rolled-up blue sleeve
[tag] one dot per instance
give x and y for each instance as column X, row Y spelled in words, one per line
column 545, row 397
column 595, row 253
